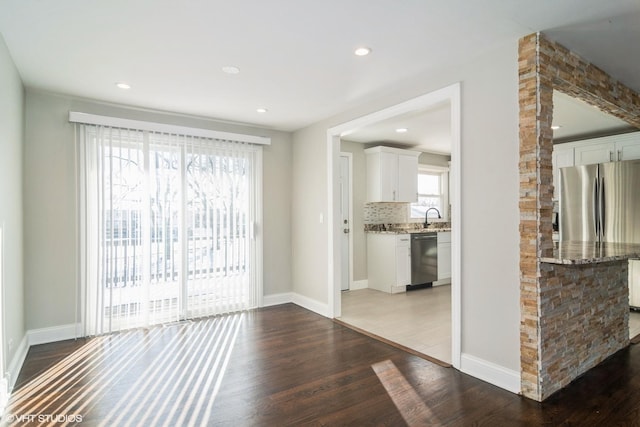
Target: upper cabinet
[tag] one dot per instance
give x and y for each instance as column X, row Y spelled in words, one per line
column 608, row 149
column 392, row 175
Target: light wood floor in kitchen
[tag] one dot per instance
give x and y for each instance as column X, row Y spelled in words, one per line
column 419, row 320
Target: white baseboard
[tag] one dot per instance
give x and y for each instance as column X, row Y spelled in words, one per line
column 16, row 363
column 490, row 372
column 53, row 334
column 277, row 299
column 359, row 284
column 311, row 304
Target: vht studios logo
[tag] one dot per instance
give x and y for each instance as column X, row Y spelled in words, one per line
column 44, row 418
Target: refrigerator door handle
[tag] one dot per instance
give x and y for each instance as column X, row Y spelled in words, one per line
column 596, row 209
column 602, row 210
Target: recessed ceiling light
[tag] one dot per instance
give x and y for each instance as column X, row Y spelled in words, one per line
column 402, row 130
column 556, row 127
column 123, row 85
column 230, row 69
column 362, row 51
column 261, row 110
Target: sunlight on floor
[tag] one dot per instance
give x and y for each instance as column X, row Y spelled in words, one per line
column 410, row 405
column 145, row 376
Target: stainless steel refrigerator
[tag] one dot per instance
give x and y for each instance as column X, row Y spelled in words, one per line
column 601, row 203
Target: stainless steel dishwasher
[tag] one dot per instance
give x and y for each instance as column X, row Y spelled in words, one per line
column 424, row 258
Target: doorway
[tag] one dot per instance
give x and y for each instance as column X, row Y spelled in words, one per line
column 449, row 94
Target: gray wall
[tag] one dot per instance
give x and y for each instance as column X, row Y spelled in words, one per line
column 434, row 159
column 11, row 142
column 489, row 192
column 50, row 213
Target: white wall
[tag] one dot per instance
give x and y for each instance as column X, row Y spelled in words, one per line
column 11, row 142
column 49, row 199
column 489, row 187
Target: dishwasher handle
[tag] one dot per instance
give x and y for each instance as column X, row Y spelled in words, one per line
column 424, row 237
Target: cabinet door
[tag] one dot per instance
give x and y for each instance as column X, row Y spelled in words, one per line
column 444, row 255
column 628, row 150
column 388, row 177
column 403, row 265
column 591, row 154
column 561, row 158
column 407, row 179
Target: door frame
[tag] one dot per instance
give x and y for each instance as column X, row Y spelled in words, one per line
column 452, row 94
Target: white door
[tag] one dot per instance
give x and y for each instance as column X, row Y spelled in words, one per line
column 345, row 218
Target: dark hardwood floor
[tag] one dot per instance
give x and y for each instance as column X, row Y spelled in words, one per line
column 283, row 366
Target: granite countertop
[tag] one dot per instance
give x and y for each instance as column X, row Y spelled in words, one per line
column 576, row 253
column 409, row 231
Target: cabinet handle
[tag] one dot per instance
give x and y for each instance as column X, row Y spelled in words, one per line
column 619, row 155
column 611, row 156
column 394, row 195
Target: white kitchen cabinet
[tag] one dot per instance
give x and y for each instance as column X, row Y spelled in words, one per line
column 392, row 175
column 628, row 148
column 608, row 149
column 591, row 153
column 403, row 259
column 634, row 283
column 388, row 262
column 444, row 258
column 562, row 157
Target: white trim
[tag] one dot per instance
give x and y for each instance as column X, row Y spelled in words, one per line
column 277, row 299
column 311, row 304
column 258, row 227
column 93, row 119
column 455, row 200
column 334, row 297
column 451, row 94
column 490, row 372
column 359, row 284
column 17, row 362
column 52, row 334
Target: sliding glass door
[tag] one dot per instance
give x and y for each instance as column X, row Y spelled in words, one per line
column 167, row 227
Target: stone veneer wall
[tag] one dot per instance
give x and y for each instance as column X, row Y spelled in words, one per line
column 585, row 319
column 544, row 66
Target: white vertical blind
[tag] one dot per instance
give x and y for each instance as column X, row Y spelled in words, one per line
column 166, row 227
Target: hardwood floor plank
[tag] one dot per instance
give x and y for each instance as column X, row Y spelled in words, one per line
column 284, row 365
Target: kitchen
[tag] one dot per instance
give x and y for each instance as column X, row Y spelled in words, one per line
column 401, row 325
column 394, row 163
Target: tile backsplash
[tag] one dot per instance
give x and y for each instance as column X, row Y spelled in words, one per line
column 384, row 213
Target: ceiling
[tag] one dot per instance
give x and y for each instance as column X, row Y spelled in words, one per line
column 295, row 57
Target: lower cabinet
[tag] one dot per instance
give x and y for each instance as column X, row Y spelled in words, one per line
column 388, row 262
column 444, row 258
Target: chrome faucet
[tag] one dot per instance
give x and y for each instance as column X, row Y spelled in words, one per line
column 426, row 216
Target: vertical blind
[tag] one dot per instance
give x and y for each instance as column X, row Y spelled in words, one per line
column 166, row 227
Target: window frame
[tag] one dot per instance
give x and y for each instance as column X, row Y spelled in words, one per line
column 443, row 172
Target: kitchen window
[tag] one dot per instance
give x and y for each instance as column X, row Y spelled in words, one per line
column 432, row 193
